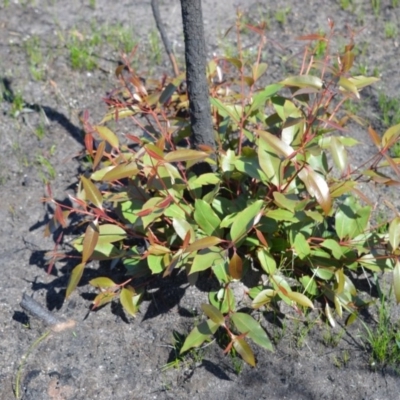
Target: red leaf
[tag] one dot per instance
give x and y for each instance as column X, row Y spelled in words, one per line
column 165, row 203
column 90, row 240
column 374, row 136
column 89, row 143
column 261, row 238
column 99, row 154
column 145, row 212
column 312, row 36
column 59, row 216
column 236, row 267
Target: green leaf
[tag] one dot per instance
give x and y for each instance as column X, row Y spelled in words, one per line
column 90, row 240
column 121, row 171
column 278, row 146
column 391, row 135
column 120, row 113
column 99, row 174
column 199, row 334
column 362, row 81
column 376, row 263
column 396, row 281
column 247, row 324
column 300, row 298
column 228, row 161
column 266, row 260
column 317, row 187
column 103, row 298
column 349, row 86
column 221, row 272
column 175, row 211
column 263, row 297
column 204, row 179
column 126, row 299
column 394, row 233
column 158, row 249
column 269, row 162
column 258, row 70
column 303, row 81
column 260, row 98
column 223, row 299
column 339, row 153
column 110, row 233
column 225, row 110
column 351, row 220
column 213, row 313
column 102, row 251
column 245, row 220
column 92, row 193
column 288, row 201
column 206, row 218
column 185, row 155
column 334, row 247
column 102, row 282
column 156, row 263
column 251, row 167
column 245, row 351
column 301, row 246
column 323, row 273
column 151, row 211
column 281, row 215
column 108, row 135
column 309, row 284
column 207, row 258
column 182, row 227
column 167, row 93
column 203, row 243
column 74, row 279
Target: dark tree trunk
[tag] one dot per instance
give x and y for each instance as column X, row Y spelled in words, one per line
column 197, row 86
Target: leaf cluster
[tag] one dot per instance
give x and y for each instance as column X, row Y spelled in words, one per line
column 280, row 197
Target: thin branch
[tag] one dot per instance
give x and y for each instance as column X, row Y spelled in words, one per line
column 56, row 323
column 164, row 37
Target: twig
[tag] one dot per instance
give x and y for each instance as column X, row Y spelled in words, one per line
column 17, row 387
column 56, row 323
column 164, row 38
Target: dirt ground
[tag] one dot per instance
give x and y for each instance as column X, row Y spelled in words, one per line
column 107, row 356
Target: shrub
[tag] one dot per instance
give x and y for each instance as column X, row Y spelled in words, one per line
column 280, row 198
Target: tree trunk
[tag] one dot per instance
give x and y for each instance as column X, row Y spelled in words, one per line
column 197, row 86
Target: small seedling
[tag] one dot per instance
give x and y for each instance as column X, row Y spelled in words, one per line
column 389, row 109
column 40, row 130
column 332, row 339
column 391, row 30
column 47, row 172
column 33, row 49
column 17, row 105
column 376, row 6
column 281, row 15
column 384, row 340
column 155, row 47
column 345, row 4
column 81, row 52
column 177, row 343
column 341, row 360
column 193, row 356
